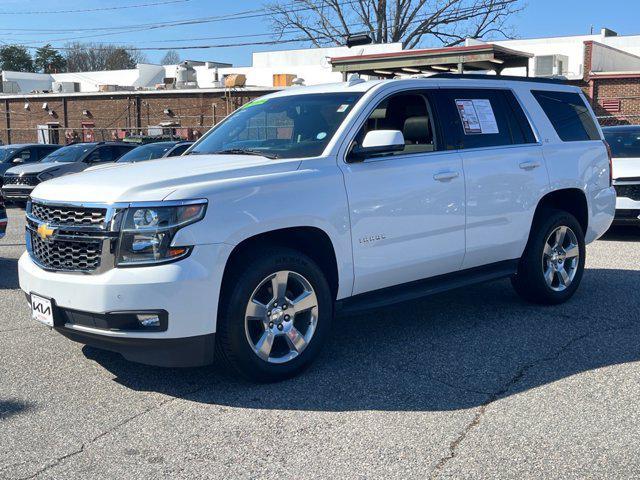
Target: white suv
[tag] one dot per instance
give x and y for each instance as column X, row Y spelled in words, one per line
column 314, row 199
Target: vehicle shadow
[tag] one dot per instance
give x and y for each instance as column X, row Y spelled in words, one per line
column 621, row 233
column 9, row 408
column 8, row 273
column 453, row 351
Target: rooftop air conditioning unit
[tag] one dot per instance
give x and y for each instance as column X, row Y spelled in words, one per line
column 65, row 87
column 551, row 65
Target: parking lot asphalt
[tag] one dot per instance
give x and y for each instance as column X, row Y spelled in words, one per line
column 468, row 384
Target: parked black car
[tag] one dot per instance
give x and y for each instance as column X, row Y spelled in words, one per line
column 151, row 151
column 18, row 182
column 23, row 153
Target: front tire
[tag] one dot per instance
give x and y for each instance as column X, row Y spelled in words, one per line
column 275, row 314
column 552, row 265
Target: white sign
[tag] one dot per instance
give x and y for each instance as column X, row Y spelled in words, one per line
column 477, row 117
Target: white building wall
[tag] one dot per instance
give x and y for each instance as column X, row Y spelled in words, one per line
column 572, row 47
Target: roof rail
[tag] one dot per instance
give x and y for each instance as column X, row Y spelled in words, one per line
column 511, row 78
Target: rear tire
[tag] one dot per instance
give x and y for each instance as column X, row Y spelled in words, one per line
column 266, row 336
column 552, row 265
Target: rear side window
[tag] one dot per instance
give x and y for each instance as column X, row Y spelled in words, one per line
column 479, row 118
column 568, row 114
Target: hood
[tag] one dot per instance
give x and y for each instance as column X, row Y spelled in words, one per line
column 154, row 180
column 626, row 168
column 33, row 168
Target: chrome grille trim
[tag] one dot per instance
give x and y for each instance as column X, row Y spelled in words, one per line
column 84, row 239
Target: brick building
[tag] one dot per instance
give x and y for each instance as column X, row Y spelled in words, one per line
column 60, row 117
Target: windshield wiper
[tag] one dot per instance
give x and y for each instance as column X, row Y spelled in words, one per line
column 246, row 151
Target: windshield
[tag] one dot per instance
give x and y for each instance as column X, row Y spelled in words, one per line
column 70, row 153
column 146, row 152
column 624, row 143
column 6, row 153
column 282, row 127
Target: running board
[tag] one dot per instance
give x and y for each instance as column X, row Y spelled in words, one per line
column 429, row 286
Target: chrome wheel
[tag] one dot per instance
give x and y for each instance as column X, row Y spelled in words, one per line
column 281, row 317
column 560, row 258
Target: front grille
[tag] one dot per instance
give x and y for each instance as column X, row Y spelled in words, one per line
column 66, row 255
column 628, row 191
column 68, row 216
column 71, row 238
column 28, row 180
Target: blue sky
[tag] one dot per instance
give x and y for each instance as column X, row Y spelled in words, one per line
column 540, row 18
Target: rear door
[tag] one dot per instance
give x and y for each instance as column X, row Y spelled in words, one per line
column 406, row 208
column 504, row 170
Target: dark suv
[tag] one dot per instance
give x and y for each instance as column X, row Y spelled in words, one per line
column 22, row 153
column 18, row 182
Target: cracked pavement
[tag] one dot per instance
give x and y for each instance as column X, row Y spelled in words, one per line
column 471, row 384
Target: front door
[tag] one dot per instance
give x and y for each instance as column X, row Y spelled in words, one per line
column 407, row 208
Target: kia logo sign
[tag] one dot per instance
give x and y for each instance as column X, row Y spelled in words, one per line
column 42, row 309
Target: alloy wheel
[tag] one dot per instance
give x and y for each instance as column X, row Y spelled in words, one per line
column 281, row 317
column 560, row 258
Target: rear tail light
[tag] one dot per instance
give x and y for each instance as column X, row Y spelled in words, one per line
column 610, row 154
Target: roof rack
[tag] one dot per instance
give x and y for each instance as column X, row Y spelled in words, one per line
column 511, row 78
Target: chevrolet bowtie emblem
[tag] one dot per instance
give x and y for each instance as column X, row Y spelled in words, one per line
column 44, row 232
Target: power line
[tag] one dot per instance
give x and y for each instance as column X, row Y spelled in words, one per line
column 99, row 9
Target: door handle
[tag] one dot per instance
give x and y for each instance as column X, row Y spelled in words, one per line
column 446, row 176
column 529, row 165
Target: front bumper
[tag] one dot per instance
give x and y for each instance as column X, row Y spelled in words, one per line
column 627, row 211
column 17, row 193
column 188, row 291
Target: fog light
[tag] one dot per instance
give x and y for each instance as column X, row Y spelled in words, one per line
column 149, row 320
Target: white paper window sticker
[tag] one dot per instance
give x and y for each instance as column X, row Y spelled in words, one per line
column 343, row 108
column 321, row 135
column 477, row 117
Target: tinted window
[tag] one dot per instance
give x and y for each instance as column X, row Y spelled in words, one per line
column 103, row 154
column 179, row 149
column 624, row 143
column 290, row 126
column 25, row 155
column 70, row 153
column 477, row 118
column 569, row 115
column 408, row 112
column 6, row 153
column 146, row 152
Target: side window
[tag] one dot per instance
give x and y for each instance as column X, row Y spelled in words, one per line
column 477, row 118
column 101, row 154
column 44, row 151
column 26, row 155
column 568, row 114
column 408, row 112
column 179, row 149
column 121, row 151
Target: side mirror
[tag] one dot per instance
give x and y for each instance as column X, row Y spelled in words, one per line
column 18, row 161
column 378, row 142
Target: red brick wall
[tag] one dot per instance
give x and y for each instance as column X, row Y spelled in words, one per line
column 110, row 113
column 627, row 91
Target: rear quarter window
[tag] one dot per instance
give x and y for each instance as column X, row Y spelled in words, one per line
column 570, row 117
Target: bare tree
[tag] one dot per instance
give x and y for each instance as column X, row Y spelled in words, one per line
column 91, row 57
column 412, row 22
column 172, row 57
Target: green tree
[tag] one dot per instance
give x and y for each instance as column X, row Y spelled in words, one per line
column 15, row 58
column 119, row 59
column 49, row 60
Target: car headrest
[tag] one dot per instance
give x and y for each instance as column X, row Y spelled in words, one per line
column 417, row 130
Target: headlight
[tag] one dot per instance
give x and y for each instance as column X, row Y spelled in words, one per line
column 148, row 231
